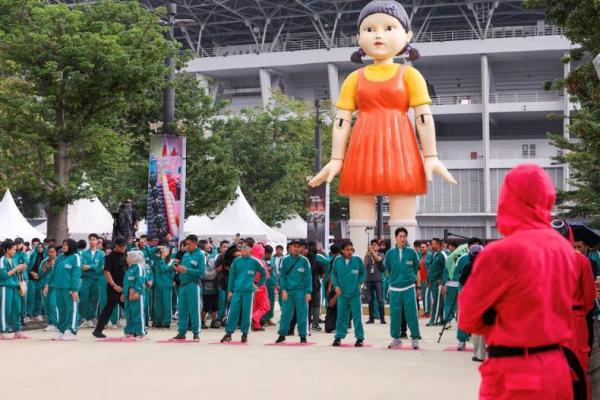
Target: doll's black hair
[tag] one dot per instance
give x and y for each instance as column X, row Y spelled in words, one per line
column 391, row 8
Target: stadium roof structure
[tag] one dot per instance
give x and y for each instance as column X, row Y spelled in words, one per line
column 210, row 24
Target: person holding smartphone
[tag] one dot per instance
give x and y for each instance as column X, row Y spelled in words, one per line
column 374, row 283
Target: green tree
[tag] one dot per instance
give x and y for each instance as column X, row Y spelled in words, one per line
column 579, row 19
column 70, row 77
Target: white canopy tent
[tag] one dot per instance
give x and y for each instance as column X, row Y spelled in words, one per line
column 86, row 216
column 239, row 217
column 293, row 228
column 196, row 223
column 12, row 223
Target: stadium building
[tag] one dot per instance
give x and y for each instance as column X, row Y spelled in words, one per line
column 485, row 63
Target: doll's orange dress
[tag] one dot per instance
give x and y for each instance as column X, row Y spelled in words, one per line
column 383, row 156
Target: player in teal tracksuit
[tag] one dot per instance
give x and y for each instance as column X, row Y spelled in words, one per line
column 402, row 266
column 134, row 296
column 150, row 257
column 92, row 268
column 348, row 273
column 240, row 292
column 10, row 299
column 450, row 288
column 65, row 280
column 434, row 275
column 189, row 300
column 49, row 299
column 22, row 257
column 34, row 288
column 295, row 283
column 163, row 289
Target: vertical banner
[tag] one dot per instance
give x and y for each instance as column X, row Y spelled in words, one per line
column 318, row 218
column 166, row 182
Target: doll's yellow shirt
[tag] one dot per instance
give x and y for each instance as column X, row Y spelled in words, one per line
column 414, row 81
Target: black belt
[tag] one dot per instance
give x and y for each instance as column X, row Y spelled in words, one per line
column 577, row 308
column 502, row 351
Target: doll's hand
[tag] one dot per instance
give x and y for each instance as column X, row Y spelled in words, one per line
column 329, row 171
column 434, row 165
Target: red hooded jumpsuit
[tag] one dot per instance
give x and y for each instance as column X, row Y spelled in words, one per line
column 528, row 279
column 260, row 304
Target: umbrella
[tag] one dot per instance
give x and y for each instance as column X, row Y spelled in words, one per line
column 584, row 234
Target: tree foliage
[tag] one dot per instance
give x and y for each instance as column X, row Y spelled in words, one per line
column 579, row 19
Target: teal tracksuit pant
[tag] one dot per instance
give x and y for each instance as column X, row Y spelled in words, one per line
column 436, row 296
column 34, row 298
column 425, row 297
column 50, row 309
column 10, row 309
column 162, row 305
column 189, row 304
column 346, row 305
column 450, row 304
column 149, row 294
column 271, row 313
column 68, row 316
column 460, row 335
column 89, row 298
column 135, row 317
column 240, row 311
column 403, row 303
column 296, row 301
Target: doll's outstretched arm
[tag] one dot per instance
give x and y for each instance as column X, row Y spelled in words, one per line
column 341, row 132
column 426, row 131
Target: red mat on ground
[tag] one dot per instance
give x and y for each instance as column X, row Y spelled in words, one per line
column 177, row 341
column 351, row 345
column 117, row 340
column 467, row 350
column 403, row 348
column 293, row 344
column 230, row 343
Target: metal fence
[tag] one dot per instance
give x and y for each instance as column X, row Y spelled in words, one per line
column 350, row 41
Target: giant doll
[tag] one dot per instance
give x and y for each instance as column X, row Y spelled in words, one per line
column 383, row 156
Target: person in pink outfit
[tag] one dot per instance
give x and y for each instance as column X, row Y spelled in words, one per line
column 261, row 304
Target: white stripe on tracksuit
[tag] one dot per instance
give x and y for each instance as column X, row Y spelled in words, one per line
column 3, row 308
column 74, row 318
column 437, row 305
column 142, row 314
column 199, row 307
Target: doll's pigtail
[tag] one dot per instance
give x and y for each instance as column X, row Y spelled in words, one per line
column 413, row 54
column 357, row 56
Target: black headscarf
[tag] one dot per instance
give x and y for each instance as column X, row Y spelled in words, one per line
column 72, row 247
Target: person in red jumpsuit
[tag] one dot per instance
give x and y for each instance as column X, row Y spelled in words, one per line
column 584, row 297
column 520, row 293
column 260, row 304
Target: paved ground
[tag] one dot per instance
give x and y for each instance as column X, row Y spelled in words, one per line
column 38, row 368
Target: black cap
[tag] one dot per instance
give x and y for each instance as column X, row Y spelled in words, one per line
column 120, row 241
column 296, row 241
column 19, row 241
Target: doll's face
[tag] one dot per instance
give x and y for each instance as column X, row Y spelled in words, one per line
column 382, row 36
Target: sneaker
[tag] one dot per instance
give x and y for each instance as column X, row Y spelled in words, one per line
column 180, row 336
column 19, row 335
column 68, row 337
column 226, row 338
column 50, row 328
column 83, row 324
column 99, row 335
column 26, row 319
column 4, row 336
column 280, row 339
column 383, row 321
column 370, row 321
column 461, row 346
column 196, row 337
column 141, row 338
column 215, row 324
column 39, row 318
column 244, row 338
column 359, row 343
column 204, row 326
column 396, row 344
column 415, row 344
column 477, row 359
column 59, row 336
column 303, row 339
column 337, row 342
column 316, row 328
column 261, row 329
column 403, row 335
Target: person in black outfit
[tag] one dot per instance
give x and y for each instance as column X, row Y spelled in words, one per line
column 331, row 314
column 317, row 273
column 115, row 265
column 374, row 283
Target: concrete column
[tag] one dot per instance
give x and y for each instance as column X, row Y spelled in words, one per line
column 265, row 86
column 488, row 228
column 334, row 82
column 485, row 106
column 567, row 115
